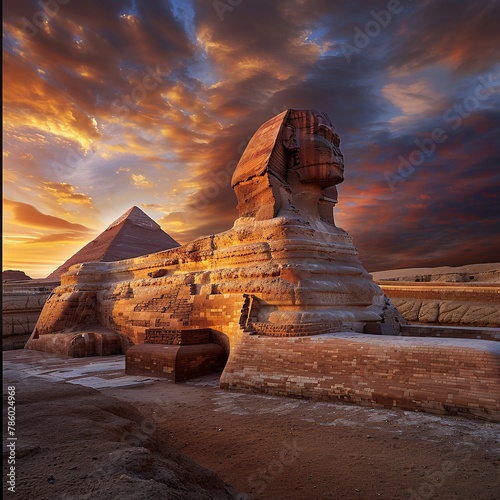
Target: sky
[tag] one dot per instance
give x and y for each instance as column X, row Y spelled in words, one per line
column 114, row 103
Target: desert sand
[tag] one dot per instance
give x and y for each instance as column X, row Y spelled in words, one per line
column 87, row 431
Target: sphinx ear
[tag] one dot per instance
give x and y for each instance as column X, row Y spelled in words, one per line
column 288, row 138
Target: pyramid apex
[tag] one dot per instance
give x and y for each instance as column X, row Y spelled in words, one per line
column 137, row 216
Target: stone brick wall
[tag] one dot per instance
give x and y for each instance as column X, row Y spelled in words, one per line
column 456, row 332
column 151, row 360
column 296, row 330
column 131, row 309
column 177, row 363
column 178, row 337
column 21, row 308
column 437, row 375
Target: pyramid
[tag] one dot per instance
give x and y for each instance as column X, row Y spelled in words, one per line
column 131, row 235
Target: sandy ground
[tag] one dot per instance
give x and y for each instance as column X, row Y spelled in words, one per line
column 85, row 430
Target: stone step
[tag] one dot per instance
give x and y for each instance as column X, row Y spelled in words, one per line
column 174, row 362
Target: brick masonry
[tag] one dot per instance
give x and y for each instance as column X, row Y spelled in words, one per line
column 296, row 330
column 175, row 362
column 456, row 332
column 426, row 374
column 178, row 337
column 169, row 307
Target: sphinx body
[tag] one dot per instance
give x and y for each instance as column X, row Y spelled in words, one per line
column 284, row 254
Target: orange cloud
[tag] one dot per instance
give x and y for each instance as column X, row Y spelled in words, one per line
column 65, row 193
column 36, row 242
column 140, row 180
column 40, row 106
column 415, row 98
column 28, row 216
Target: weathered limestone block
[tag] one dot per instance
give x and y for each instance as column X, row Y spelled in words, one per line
column 459, row 313
column 471, row 304
column 409, row 309
column 429, row 312
column 175, row 362
column 22, row 303
column 448, row 312
column 19, row 315
column 78, row 344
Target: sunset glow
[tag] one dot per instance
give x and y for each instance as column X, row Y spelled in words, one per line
column 119, row 103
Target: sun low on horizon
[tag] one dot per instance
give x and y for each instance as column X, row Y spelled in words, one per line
column 115, row 104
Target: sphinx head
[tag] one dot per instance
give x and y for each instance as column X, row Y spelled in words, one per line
column 293, row 159
column 313, row 148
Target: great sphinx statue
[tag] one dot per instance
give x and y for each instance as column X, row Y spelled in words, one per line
column 284, row 255
column 285, row 183
column 280, row 302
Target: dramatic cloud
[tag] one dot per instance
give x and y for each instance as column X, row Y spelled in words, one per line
column 65, row 193
column 113, row 104
column 28, row 216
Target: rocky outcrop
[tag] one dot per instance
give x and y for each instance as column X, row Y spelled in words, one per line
column 22, row 303
column 11, row 275
column 446, row 303
column 471, row 273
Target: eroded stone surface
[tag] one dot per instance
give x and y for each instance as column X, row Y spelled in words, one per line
column 472, row 304
column 471, row 273
column 22, row 303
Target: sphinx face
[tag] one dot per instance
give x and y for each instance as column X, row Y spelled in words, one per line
column 297, row 149
column 316, row 146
